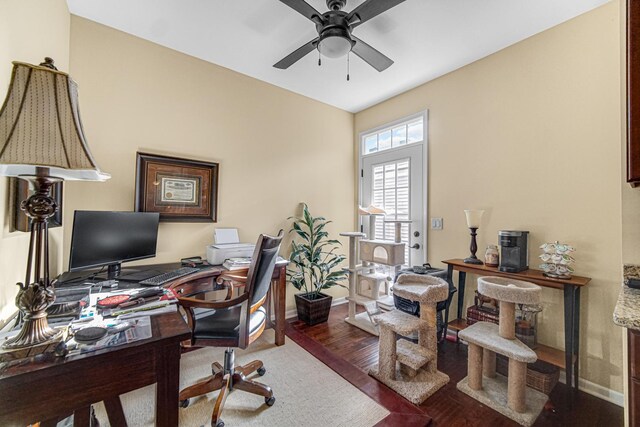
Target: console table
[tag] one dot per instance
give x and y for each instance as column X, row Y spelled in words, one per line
column 571, row 289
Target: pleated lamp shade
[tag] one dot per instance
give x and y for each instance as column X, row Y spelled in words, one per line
column 40, row 127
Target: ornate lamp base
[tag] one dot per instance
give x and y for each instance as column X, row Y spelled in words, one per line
column 33, row 301
column 473, row 259
column 7, row 355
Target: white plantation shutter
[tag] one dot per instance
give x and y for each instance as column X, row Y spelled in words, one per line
column 390, row 191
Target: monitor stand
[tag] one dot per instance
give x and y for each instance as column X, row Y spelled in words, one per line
column 133, row 274
column 113, row 271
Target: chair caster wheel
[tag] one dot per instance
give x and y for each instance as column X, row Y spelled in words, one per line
column 185, row 403
column 220, row 424
column 261, row 371
column 270, row 400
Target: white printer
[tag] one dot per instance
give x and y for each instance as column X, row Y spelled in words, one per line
column 227, row 245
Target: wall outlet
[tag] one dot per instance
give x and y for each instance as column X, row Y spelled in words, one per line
column 436, row 223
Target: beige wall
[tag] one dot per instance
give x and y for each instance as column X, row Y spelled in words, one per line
column 532, row 135
column 275, row 148
column 29, row 31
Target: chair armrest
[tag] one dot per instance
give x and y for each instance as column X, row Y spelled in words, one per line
column 216, row 305
column 231, row 277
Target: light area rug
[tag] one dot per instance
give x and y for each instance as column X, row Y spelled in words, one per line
column 307, row 392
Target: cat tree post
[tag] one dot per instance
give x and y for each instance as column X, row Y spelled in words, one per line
column 517, row 385
column 488, row 363
column 352, row 269
column 507, row 320
column 474, row 366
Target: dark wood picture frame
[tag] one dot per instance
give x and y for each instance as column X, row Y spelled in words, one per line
column 181, row 190
column 633, row 92
column 20, row 191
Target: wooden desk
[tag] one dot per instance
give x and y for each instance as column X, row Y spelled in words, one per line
column 570, row 287
column 50, row 388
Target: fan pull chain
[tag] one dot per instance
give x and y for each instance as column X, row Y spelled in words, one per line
column 319, row 58
column 348, row 63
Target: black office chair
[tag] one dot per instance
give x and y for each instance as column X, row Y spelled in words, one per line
column 235, row 322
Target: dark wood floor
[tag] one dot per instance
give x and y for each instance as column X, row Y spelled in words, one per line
column 355, row 351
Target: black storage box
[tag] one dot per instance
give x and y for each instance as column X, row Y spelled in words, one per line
column 413, row 307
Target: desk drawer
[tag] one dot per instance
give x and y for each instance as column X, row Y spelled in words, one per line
column 195, row 286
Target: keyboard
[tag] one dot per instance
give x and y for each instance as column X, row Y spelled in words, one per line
column 163, row 278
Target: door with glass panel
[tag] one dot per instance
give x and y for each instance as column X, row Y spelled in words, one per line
column 392, row 179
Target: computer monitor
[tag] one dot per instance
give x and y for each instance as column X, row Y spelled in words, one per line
column 103, row 238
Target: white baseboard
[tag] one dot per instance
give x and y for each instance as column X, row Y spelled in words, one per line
column 596, row 390
column 289, row 314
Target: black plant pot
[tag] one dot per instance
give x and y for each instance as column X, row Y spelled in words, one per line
column 313, row 308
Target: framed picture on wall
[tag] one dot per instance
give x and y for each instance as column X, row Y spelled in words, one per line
column 181, row 190
column 20, row 190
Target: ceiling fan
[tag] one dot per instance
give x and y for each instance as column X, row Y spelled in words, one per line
column 334, row 31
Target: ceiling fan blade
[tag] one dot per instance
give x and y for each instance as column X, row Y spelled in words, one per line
column 371, row 56
column 296, row 55
column 305, row 9
column 370, row 9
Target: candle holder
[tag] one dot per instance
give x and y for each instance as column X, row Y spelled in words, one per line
column 473, row 222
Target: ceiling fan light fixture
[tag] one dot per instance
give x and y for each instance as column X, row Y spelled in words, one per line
column 335, row 43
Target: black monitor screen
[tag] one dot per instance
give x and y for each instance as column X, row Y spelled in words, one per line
column 109, row 238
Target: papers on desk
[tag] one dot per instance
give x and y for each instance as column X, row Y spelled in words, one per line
column 237, row 263
column 169, row 308
column 140, row 330
column 165, row 304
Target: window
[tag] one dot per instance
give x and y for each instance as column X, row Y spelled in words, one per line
column 397, row 135
column 390, row 191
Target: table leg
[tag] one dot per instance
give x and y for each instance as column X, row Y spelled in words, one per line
column 82, row 417
column 167, row 387
column 569, row 332
column 462, row 277
column 115, row 411
column 269, row 306
column 280, row 303
column 576, row 336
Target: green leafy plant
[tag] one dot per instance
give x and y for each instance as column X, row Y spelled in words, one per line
column 314, row 264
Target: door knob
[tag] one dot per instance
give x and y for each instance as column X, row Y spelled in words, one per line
column 416, row 246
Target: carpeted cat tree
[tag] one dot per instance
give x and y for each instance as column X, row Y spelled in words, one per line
column 510, row 396
column 409, row 368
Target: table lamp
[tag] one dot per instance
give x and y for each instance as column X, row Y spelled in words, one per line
column 41, row 141
column 473, row 222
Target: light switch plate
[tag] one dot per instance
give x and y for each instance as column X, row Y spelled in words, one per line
column 436, row 223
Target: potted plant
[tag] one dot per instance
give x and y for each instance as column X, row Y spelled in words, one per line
column 314, row 267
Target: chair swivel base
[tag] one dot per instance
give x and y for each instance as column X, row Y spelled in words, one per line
column 234, row 377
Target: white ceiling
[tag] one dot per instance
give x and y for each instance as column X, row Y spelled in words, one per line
column 425, row 38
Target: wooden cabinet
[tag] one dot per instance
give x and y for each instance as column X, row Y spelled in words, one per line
column 634, row 377
column 633, row 92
